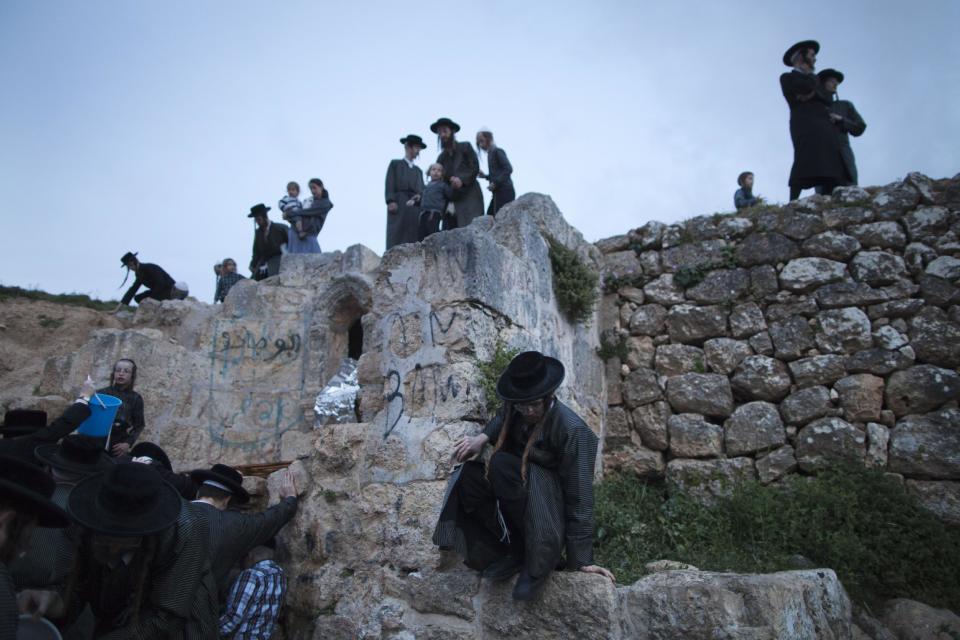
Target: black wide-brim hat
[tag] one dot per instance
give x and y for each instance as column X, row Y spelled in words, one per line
column 413, row 139
column 76, row 453
column 530, row 376
column 445, row 122
column 125, row 501
column 153, row 451
column 224, row 476
column 18, row 422
column 127, row 257
column 258, row 210
column 805, row 44
column 830, row 73
column 29, row 488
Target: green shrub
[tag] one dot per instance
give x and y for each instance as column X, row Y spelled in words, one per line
column 74, row 299
column 490, row 372
column 573, row 283
column 858, row 522
column 612, row 348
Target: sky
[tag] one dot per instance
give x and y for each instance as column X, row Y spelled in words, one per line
column 155, row 126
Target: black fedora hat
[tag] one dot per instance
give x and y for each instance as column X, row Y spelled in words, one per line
column 804, row 44
column 530, row 376
column 18, row 422
column 444, row 122
column 830, row 73
column 29, row 488
column 258, row 209
column 152, row 451
column 412, row 138
column 223, row 477
column 127, row 257
column 76, row 453
column 125, row 501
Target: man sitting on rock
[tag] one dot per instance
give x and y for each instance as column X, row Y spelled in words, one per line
column 534, row 496
column 234, row 534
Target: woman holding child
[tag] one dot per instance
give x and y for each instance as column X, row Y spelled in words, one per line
column 306, row 221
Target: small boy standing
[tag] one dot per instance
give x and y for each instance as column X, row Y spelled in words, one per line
column 433, row 201
column 290, row 205
column 744, row 198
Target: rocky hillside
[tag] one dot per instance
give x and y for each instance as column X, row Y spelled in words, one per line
column 779, row 341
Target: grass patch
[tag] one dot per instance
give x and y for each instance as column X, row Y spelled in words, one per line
column 612, row 348
column 613, row 284
column 490, row 372
column 858, row 522
column 47, row 322
column 575, row 285
column 73, row 299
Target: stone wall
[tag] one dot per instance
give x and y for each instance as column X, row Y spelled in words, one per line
column 782, row 340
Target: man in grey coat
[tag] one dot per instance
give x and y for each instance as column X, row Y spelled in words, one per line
column 845, row 118
column 404, row 181
column 460, row 168
column 532, row 503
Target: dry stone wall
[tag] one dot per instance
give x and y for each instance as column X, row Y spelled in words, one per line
column 781, row 340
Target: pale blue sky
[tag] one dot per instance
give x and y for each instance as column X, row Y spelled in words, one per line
column 155, row 126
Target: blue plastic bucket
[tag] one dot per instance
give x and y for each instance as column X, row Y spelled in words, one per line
column 101, row 416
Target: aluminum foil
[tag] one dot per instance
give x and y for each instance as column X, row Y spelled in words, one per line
column 336, row 402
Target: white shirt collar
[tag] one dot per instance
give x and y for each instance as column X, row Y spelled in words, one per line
column 408, row 161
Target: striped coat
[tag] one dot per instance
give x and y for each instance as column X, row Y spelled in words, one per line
column 8, row 605
column 559, row 516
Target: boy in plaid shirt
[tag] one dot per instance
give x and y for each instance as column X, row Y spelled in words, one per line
column 255, row 599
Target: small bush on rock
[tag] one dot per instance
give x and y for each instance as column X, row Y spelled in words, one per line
column 490, row 372
column 573, row 283
column 858, row 522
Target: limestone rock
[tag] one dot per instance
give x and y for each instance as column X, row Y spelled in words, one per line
column 920, row 389
column 707, row 480
column 800, row 226
column 746, row 319
column 761, row 378
column 776, row 464
column 832, row 245
column 806, row 274
column 648, row 320
column 878, row 440
column 789, row 305
column 793, row 604
column 650, row 421
column 704, row 393
column 895, row 309
column 721, row 285
column 638, row 460
column 692, row 254
column 640, row 388
column 843, row 330
column 940, row 497
column 807, row 404
column 849, row 294
column 765, row 248
column 915, row 620
column 632, row 294
column 861, row 397
column 640, row 352
column 664, row 291
column 879, row 362
column 935, row 339
column 724, row 354
column 829, row 441
column 648, row 236
column 889, row 338
column 825, row 369
column 923, row 185
column 945, row 267
column 658, row 566
column 850, row 194
column 674, row 359
column 619, row 428
column 754, row 426
column 891, row 201
column 621, row 264
column 844, row 216
column 763, row 281
column 792, row 338
column 886, row 235
column 877, row 267
column 761, row 343
column 693, row 437
column 689, row 324
column 927, row 446
column 937, row 291
column 614, row 244
column 927, row 222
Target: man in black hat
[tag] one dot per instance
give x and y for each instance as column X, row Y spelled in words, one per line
column 460, row 168
column 234, row 534
column 269, row 239
column 846, row 120
column 533, row 501
column 816, row 148
column 141, row 562
column 23, row 446
column 159, row 284
column 25, row 492
column 404, row 183
column 151, row 454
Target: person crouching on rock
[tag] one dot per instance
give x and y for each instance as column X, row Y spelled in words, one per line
column 533, row 499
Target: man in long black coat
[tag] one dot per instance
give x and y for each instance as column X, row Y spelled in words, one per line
column 533, row 502
column 404, row 181
column 268, row 240
column 159, row 283
column 460, row 168
column 816, row 148
column 846, row 120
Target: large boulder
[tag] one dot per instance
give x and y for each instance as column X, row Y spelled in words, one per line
column 674, row 359
column 927, row 222
column 935, row 339
column 693, row 437
column 827, row 442
column 912, row 620
column 816, row 370
column 877, row 268
column 765, row 248
column 792, row 338
column 707, row 480
column 832, row 245
column 690, row 324
column 946, row 267
column 746, row 319
column 761, row 378
column 921, row 389
column 861, row 397
column 886, row 234
column 806, row 274
column 939, row 496
column 755, row 426
column 843, row 330
column 724, row 354
column 776, row 464
column 721, row 286
column 648, row 320
column 640, row 388
column 650, row 421
column 697, row 605
column 704, row 393
column 927, row 446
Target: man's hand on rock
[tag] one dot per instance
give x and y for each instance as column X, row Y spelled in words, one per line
column 288, row 486
column 592, row 568
column 469, row 447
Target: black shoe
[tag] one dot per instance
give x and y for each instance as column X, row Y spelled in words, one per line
column 528, row 587
column 502, row 569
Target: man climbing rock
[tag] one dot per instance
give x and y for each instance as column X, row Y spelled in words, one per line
column 532, row 502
